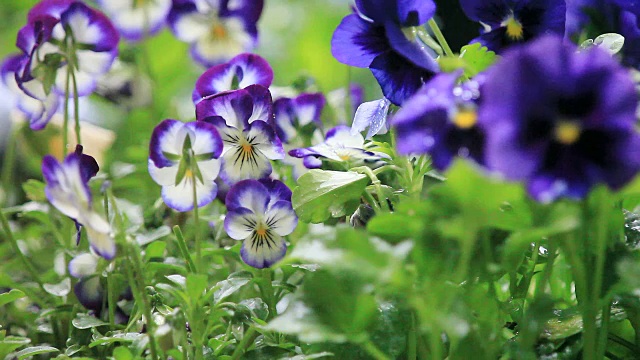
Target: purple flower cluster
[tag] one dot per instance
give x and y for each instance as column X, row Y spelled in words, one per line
column 560, row 120
column 65, row 46
column 234, row 136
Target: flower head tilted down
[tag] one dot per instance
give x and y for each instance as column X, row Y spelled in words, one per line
column 561, row 120
column 66, row 46
column 68, row 191
column 293, row 114
column 216, row 29
column 508, row 22
column 260, row 213
column 183, row 159
column 341, row 146
column 441, row 120
column 380, row 36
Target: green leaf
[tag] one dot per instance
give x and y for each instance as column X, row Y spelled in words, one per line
column 34, row 190
column 60, row 289
column 150, row 236
column 122, row 353
column 323, row 194
column 155, row 250
column 84, row 321
column 34, row 350
column 477, row 58
column 196, row 285
column 301, row 321
column 11, row 296
column 233, row 283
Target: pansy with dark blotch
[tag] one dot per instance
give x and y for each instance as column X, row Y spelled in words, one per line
column 238, row 73
column 508, row 22
column 292, row 114
column 68, row 191
column 260, row 213
column 216, row 29
column 183, row 159
column 244, row 119
column 559, row 120
column 341, row 146
column 60, row 33
column 137, row 19
column 378, row 36
column 441, row 120
column 36, row 110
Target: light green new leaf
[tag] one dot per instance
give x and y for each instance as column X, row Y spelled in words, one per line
column 477, row 58
column 323, row 194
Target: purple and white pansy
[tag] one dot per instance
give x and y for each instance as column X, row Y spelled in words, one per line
column 68, row 191
column 244, row 120
column 260, row 213
column 67, row 42
column 136, row 19
column 216, row 29
column 341, row 145
column 238, row 73
column 292, row 114
column 183, row 159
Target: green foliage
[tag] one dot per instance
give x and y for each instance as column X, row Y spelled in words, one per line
column 474, row 59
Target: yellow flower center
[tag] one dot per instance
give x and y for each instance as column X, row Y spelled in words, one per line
column 514, row 28
column 465, row 119
column 567, row 132
column 218, row 31
column 248, row 148
column 261, row 231
column 188, row 174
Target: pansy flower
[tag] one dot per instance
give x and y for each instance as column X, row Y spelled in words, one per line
column 514, row 21
column 260, row 213
column 67, row 44
column 342, row 146
column 183, row 159
column 136, row 19
column 238, row 73
column 379, row 36
column 244, row 119
column 68, row 191
column 38, row 111
column 560, row 136
column 292, row 114
column 216, row 29
column 441, row 120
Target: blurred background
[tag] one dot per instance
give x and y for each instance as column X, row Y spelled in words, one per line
column 295, row 38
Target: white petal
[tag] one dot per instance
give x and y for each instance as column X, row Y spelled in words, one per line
column 262, row 254
column 191, row 27
column 180, row 197
column 163, row 176
column 282, row 218
column 92, row 62
column 240, row 223
column 83, row 265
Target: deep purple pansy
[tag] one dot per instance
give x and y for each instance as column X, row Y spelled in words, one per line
column 377, row 37
column 340, row 146
column 238, row 73
column 515, row 21
column 68, row 191
column 244, row 119
column 216, row 30
column 561, row 120
column 260, row 213
column 292, row 114
column 137, row 19
column 183, row 159
column 441, row 120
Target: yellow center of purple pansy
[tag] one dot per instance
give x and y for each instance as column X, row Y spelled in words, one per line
column 514, row 28
column 465, row 119
column 567, row 132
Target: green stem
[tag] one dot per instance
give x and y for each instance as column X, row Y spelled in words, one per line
column 76, row 107
column 65, row 122
column 182, row 244
column 376, row 183
column 196, row 223
column 112, row 301
column 412, row 341
column 601, row 345
column 372, row 201
column 443, row 42
column 12, row 240
column 268, row 292
column 246, row 341
column 8, row 165
column 373, row 350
